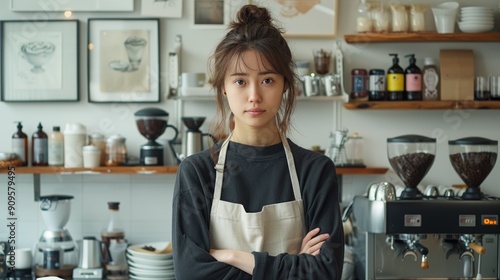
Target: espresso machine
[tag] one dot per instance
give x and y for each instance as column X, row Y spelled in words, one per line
column 432, row 235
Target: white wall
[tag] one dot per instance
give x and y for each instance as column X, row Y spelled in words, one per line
column 151, row 221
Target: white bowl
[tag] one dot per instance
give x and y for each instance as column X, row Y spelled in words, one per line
column 134, row 250
column 488, row 15
column 135, row 277
column 475, row 28
column 139, row 260
column 477, row 21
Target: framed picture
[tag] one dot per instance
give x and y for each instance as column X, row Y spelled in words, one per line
column 305, row 18
column 162, row 8
column 215, row 13
column 123, row 60
column 39, row 60
column 72, row 5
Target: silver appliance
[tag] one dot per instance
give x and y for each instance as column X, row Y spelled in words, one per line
column 433, row 235
column 192, row 142
column 91, row 258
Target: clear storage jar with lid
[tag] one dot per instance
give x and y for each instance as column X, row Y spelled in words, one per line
column 116, row 151
column 99, row 141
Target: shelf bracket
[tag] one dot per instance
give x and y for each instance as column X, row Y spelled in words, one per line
column 36, row 186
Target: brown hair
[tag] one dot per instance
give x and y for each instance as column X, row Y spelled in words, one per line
column 253, row 30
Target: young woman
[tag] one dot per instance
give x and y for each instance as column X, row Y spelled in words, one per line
column 256, row 205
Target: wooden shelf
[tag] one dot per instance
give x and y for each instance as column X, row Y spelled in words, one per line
column 154, row 170
column 97, row 170
column 421, row 105
column 300, row 98
column 360, row 171
column 421, row 37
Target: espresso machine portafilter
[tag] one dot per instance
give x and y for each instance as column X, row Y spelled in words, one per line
column 431, row 235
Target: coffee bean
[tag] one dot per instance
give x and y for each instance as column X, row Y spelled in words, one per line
column 473, row 167
column 412, row 168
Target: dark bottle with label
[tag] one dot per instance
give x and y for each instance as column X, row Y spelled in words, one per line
column 359, row 84
column 376, row 85
column 413, row 80
column 39, row 147
column 395, row 80
column 20, row 144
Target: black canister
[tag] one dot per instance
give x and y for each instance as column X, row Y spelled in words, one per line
column 376, row 85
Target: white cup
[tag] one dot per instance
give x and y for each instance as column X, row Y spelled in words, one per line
column 91, row 156
column 445, row 16
column 192, row 80
column 21, row 259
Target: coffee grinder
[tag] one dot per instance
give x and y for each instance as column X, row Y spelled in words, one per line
column 55, row 252
column 473, row 158
column 152, row 123
column 411, row 157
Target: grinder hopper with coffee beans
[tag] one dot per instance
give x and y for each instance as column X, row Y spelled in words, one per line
column 152, row 123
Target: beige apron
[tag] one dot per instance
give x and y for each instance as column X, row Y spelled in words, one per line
column 278, row 228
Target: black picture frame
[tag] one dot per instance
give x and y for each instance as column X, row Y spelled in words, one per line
column 39, row 60
column 123, row 60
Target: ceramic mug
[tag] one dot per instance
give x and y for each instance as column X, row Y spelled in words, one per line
column 192, row 80
column 20, row 259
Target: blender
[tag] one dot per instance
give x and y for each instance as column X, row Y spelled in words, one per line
column 152, row 123
column 473, row 158
column 411, row 157
column 55, row 252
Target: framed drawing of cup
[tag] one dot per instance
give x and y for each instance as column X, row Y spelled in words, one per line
column 39, row 60
column 304, row 18
column 123, row 60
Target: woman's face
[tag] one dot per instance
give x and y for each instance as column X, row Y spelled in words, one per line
column 254, row 92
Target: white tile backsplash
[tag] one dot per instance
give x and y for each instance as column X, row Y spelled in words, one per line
column 145, row 205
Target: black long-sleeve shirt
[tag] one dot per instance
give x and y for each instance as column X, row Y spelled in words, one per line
column 255, row 177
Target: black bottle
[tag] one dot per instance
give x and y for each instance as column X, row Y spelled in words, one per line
column 413, row 80
column 39, row 148
column 20, row 144
column 395, row 80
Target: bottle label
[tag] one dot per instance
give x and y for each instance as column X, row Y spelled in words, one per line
column 40, row 151
column 56, row 153
column 395, row 82
column 18, row 148
column 431, row 80
column 413, row 82
column 358, row 84
column 377, row 83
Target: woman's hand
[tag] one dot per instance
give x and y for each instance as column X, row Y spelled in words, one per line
column 239, row 259
column 312, row 242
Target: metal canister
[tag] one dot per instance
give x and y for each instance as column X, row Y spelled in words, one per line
column 376, row 85
column 52, row 258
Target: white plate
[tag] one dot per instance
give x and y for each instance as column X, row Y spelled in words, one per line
column 490, row 17
column 152, row 267
column 141, row 260
column 135, row 277
column 151, row 273
column 481, row 9
column 146, row 255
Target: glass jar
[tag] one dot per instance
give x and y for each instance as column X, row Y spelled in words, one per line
column 116, row 151
column 359, row 84
column 399, row 18
column 381, row 17
column 376, row 85
column 417, row 18
column 98, row 140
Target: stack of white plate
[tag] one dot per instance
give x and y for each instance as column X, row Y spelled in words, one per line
column 150, row 265
column 476, row 19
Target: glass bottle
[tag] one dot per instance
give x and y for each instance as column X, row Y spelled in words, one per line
column 114, row 225
column 20, row 144
column 430, row 78
column 39, row 147
column 56, row 147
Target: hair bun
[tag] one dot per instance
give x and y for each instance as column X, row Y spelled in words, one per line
column 252, row 14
